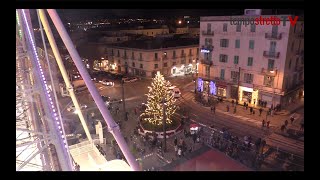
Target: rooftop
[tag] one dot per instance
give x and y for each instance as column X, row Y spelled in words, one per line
column 158, row 43
column 228, row 18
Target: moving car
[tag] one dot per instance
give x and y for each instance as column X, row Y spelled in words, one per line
column 107, row 83
column 176, row 92
column 132, row 79
column 109, row 101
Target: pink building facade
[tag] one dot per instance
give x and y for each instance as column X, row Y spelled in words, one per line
column 270, row 60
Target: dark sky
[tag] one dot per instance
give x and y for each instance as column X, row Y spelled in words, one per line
column 113, row 13
column 80, row 14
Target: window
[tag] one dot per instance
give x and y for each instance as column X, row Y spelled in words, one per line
column 236, row 60
column 290, row 62
column 238, row 27
column 222, row 74
column 297, row 62
column 118, row 39
column 250, row 61
column 253, row 28
column 132, row 55
column 190, row 60
column 223, row 58
column 295, row 27
column 207, row 71
column 141, row 66
column 118, row 61
column 155, row 66
column 182, row 52
column 208, row 27
column 190, row 52
column 299, row 45
column 133, row 64
column 270, row 64
column 147, row 33
column 111, row 52
column 251, row 44
column 165, row 64
column 140, row 56
column 292, row 46
column 224, row 42
column 268, row 81
column 234, row 76
column 208, row 41
column 237, row 43
column 225, row 27
column 174, row 54
column 151, row 32
column 197, row 51
column 155, row 56
column 118, row 53
column 248, row 78
column 125, row 53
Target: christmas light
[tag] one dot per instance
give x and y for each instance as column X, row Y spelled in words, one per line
column 158, row 90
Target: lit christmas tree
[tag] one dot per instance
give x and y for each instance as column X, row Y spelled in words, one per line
column 154, row 112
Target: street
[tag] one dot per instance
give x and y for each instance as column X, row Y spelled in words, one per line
column 240, row 124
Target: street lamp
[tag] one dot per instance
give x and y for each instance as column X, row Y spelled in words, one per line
column 272, row 85
column 164, row 124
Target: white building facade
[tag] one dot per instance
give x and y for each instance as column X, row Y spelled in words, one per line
column 270, row 60
column 171, row 61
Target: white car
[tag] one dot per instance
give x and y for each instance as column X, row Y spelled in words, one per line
column 73, row 108
column 132, row 79
column 107, row 83
column 176, row 92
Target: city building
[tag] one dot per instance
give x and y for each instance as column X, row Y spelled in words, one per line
column 171, row 56
column 270, row 59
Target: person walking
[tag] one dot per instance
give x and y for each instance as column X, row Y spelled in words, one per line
column 251, row 109
column 282, row 128
column 175, row 141
column 260, row 111
column 268, row 123
column 214, row 109
column 211, row 108
column 232, row 102
column 135, row 110
column 235, row 109
column 227, row 108
column 292, row 119
column 286, row 123
column 302, row 126
column 263, row 122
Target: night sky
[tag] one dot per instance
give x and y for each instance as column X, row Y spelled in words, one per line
column 77, row 14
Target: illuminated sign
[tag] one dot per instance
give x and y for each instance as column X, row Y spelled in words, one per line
column 204, row 50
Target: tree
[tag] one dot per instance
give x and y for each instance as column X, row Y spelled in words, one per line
column 154, row 112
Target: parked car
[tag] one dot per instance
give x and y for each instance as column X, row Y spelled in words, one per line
column 108, row 100
column 73, row 108
column 132, row 79
column 107, row 83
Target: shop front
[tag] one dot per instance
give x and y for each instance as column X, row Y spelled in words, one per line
column 221, row 88
column 248, row 95
column 207, row 86
column 183, row 70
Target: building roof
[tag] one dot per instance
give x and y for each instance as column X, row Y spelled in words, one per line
column 158, row 43
column 228, row 18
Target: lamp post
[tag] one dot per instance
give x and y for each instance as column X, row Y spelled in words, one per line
column 164, row 125
column 123, row 99
column 272, row 85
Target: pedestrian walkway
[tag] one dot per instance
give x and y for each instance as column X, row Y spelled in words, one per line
column 244, row 114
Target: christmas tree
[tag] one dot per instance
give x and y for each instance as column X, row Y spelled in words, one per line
column 154, row 111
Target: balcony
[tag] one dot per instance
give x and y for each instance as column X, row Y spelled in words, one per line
column 269, row 72
column 269, row 54
column 164, row 57
column 298, row 68
column 273, row 36
column 206, row 62
column 208, row 33
column 300, row 34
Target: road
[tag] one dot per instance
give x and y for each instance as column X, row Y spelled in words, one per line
column 135, row 95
